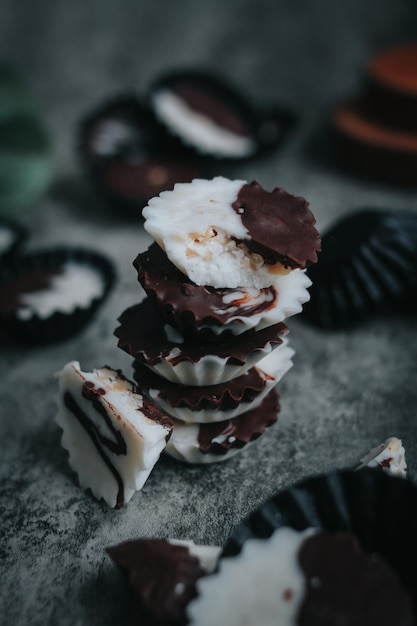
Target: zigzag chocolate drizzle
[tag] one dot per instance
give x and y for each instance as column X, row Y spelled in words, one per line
column 92, row 394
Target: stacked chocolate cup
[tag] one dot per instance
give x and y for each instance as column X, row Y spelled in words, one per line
column 209, row 340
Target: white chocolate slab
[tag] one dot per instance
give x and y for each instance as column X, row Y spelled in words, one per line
column 143, row 438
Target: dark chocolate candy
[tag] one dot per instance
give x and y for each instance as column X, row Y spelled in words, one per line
column 142, row 334
column 221, row 397
column 280, row 226
column 237, row 432
column 344, row 585
column 220, row 102
column 380, row 509
column 135, row 183
column 186, row 305
column 391, row 88
column 11, row 293
column 371, row 149
column 204, row 100
column 102, row 443
column 164, row 576
column 129, row 156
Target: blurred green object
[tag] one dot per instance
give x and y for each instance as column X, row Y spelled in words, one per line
column 25, row 150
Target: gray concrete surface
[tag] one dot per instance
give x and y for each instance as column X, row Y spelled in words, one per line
column 347, row 391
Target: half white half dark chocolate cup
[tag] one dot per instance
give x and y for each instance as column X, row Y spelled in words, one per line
column 51, row 294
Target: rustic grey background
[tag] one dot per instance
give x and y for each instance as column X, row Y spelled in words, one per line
column 347, row 391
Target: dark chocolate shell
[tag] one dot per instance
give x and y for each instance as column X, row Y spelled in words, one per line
column 197, row 311
column 212, row 118
column 391, row 87
column 12, row 236
column 380, row 509
column 128, row 155
column 222, row 397
column 367, row 265
column 144, row 335
column 240, row 430
column 35, row 272
column 163, row 574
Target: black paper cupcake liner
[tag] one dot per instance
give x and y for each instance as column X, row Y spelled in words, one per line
column 367, row 265
column 58, row 325
column 380, row 509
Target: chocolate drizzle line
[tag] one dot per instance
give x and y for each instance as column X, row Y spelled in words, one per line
column 92, row 394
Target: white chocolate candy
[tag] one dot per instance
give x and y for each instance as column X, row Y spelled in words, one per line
column 218, row 441
column 292, row 293
column 271, row 368
column 184, row 445
column 75, row 286
column 197, row 129
column 199, row 230
column 209, row 369
column 388, row 456
column 251, row 588
column 113, row 434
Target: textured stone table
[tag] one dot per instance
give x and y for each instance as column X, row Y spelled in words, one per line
column 347, row 391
